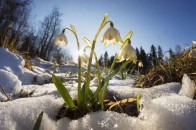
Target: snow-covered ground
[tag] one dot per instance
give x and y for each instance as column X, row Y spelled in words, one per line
column 51, row 67
column 166, row 107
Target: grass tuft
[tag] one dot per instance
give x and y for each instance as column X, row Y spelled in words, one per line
column 169, row 71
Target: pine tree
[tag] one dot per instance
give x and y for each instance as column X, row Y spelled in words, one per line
column 101, row 61
column 178, row 49
column 105, row 58
column 153, row 56
column 143, row 58
column 160, row 54
column 137, row 53
column 111, row 61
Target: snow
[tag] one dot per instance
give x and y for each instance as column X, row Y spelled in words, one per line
column 11, row 62
column 14, row 64
column 52, row 67
column 167, row 106
column 10, row 83
column 188, row 87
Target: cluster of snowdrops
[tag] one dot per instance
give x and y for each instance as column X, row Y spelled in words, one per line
column 86, row 98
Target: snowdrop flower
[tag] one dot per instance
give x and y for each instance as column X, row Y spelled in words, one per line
column 194, row 43
column 84, row 58
column 127, row 53
column 192, row 54
column 111, row 35
column 140, row 64
column 61, row 39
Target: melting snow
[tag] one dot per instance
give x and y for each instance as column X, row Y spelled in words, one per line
column 167, row 106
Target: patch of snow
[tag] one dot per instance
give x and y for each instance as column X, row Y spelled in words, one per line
column 21, row 114
column 183, row 109
column 10, row 83
column 10, row 61
column 29, row 77
column 53, row 67
column 156, row 117
column 14, row 63
column 188, row 87
column 49, row 89
column 94, row 82
column 125, row 89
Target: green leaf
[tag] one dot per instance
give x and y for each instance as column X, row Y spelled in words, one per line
column 87, row 41
column 138, row 102
column 38, row 121
column 113, row 73
column 165, row 71
column 63, row 92
column 106, row 80
column 82, row 95
column 99, row 78
column 73, row 28
column 91, row 95
column 129, row 35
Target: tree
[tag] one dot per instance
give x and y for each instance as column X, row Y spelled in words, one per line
column 137, row 53
column 153, row 56
column 101, row 61
column 143, row 58
column 49, row 29
column 28, row 43
column 111, row 61
column 13, row 21
column 105, row 59
column 178, row 49
column 60, row 55
column 160, row 54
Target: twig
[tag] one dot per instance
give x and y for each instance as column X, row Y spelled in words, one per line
column 3, row 90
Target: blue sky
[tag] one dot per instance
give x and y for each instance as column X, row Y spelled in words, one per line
column 159, row 22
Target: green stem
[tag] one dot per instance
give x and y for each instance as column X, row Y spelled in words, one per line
column 79, row 68
column 106, row 86
column 90, row 61
column 88, row 73
column 98, row 76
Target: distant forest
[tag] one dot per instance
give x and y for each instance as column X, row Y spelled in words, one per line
column 149, row 60
column 17, row 34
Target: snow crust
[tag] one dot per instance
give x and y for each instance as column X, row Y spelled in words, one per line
column 188, row 87
column 14, row 64
column 170, row 111
column 52, row 67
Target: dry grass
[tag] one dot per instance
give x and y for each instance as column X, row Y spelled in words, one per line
column 25, row 57
column 170, row 71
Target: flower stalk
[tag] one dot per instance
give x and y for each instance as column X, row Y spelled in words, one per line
column 79, row 63
column 91, row 56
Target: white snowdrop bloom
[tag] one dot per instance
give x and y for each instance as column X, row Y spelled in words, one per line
column 61, row 39
column 127, row 53
column 192, row 54
column 112, row 36
column 140, row 64
column 84, row 58
column 194, row 42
